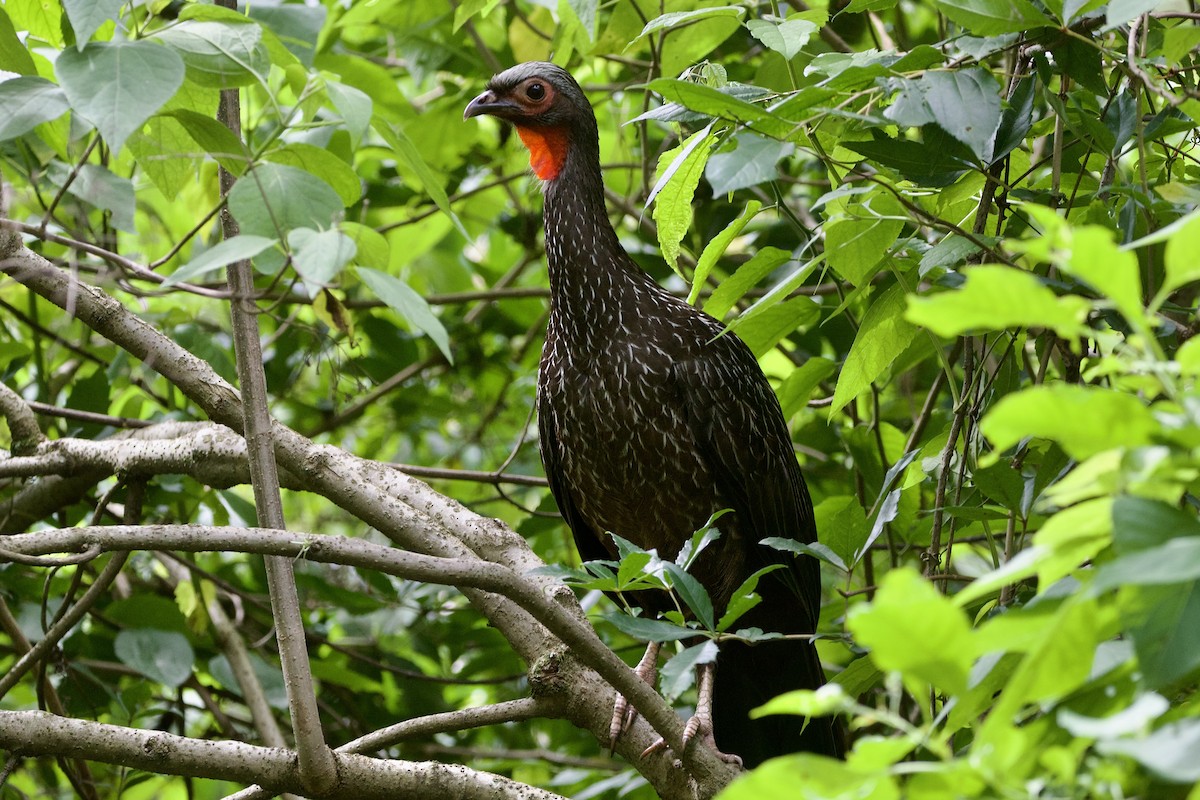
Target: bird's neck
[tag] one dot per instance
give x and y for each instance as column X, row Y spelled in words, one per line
column 592, row 279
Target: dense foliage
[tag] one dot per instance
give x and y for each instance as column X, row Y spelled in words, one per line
column 961, row 235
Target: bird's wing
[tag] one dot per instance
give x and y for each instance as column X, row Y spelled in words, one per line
column 740, row 432
column 587, row 541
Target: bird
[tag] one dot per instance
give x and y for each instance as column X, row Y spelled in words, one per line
column 652, row 416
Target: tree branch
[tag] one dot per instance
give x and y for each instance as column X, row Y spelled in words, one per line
column 35, row 733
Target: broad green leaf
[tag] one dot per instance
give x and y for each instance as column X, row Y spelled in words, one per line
column 324, row 164
column 992, row 17
column 717, row 247
column 101, row 188
column 723, row 104
column 319, row 256
column 166, row 154
column 752, row 163
column 1084, row 420
column 1096, row 259
column 829, row 699
column 220, row 255
column 1182, row 263
column 649, row 630
column 355, row 107
column 816, row 550
column 372, row 246
column 408, row 304
column 786, row 37
column 677, row 674
column 857, row 242
column 966, row 104
column 87, row 16
column 677, row 19
column 806, row 776
column 221, row 55
column 883, row 335
column 1163, row 622
column 798, row 387
column 679, row 172
column 937, row 160
column 13, row 55
column 746, row 277
column 273, row 199
column 771, row 324
column 1176, row 561
column 908, row 609
column 693, row 594
column 297, row 27
column 997, row 298
column 117, row 85
column 29, row 101
column 1139, row 523
column 41, row 18
column 1121, row 11
column 162, row 656
column 218, row 141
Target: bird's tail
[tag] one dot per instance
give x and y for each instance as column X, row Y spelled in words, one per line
column 748, row 676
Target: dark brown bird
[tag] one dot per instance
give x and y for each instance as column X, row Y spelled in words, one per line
column 651, row 420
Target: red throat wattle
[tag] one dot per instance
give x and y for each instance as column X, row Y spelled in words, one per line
column 547, row 149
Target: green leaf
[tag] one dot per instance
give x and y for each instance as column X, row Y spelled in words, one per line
column 786, row 37
column 1182, row 265
column 162, row 656
column 1121, row 11
column 676, row 674
column 996, row 298
column 273, row 199
column 679, row 172
column 117, row 85
column 816, row 550
column 97, row 186
column 966, row 104
column 937, row 160
column 768, row 327
column 677, row 19
column 407, row 152
column 324, row 164
column 752, row 163
column 269, row 677
column 805, row 776
column 717, row 247
column 29, row 101
column 218, row 141
column 319, row 256
column 746, row 277
column 883, row 335
column 822, row 702
column 220, row 255
column 1084, row 420
column 87, row 16
column 724, row 104
column 909, row 609
column 1096, row 259
column 1176, row 561
column 992, row 17
column 1163, row 627
column 296, row 26
column 372, row 246
column 797, row 389
column 649, row 630
column 354, row 106
column 694, row 595
column 1139, row 523
column 13, row 55
column 408, row 304
column 219, row 54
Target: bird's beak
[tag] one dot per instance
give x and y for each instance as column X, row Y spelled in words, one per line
column 488, row 103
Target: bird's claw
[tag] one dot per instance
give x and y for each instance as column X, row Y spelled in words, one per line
column 623, row 713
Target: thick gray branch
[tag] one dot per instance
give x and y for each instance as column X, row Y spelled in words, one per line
column 35, row 733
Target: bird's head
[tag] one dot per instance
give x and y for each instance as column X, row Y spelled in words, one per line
column 549, row 110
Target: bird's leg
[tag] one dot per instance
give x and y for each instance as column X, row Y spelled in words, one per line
column 701, row 723
column 623, row 713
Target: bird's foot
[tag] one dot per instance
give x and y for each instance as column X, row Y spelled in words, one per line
column 698, row 727
column 623, row 713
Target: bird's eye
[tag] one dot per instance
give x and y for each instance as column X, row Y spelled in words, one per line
column 535, row 92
